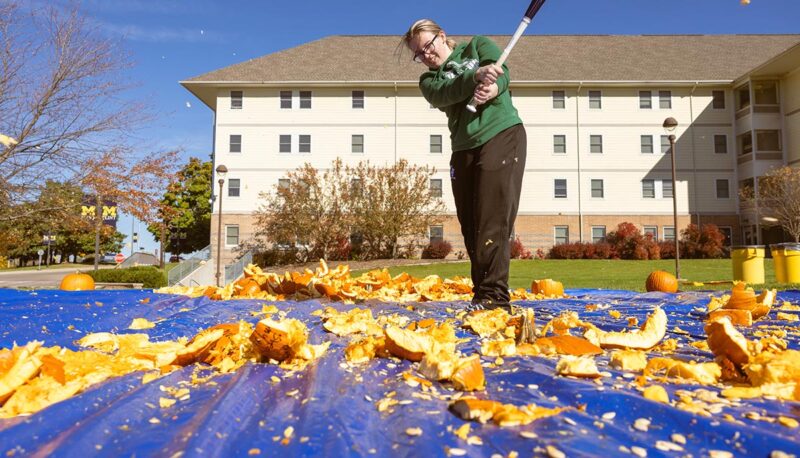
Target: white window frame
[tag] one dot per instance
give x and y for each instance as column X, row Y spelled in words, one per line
column 648, row 97
column 281, row 143
column 602, row 188
column 307, row 99
column 725, row 136
column 555, row 188
column 238, row 188
column 562, row 99
column 642, row 144
column 654, row 231
column 595, row 238
column 664, row 194
column 665, row 146
column 644, row 188
column 556, row 144
column 592, row 137
column 239, row 97
column 431, row 228
column 354, row 144
column 228, row 227
column 231, row 143
column 667, row 99
column 284, row 100
column 300, row 143
column 724, row 103
column 432, row 144
column 664, row 231
column 359, row 98
column 284, row 183
column 436, row 191
column 599, row 99
column 556, row 237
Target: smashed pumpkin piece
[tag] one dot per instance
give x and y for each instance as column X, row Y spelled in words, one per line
column 198, row 347
column 567, row 345
column 363, row 350
column 774, row 368
column 406, row 344
column 503, row 347
column 141, row 323
column 487, row 323
column 503, row 415
column 468, row 374
column 738, row 317
column 577, row 366
column 656, row 393
column 22, row 364
column 648, row 336
column 562, row 324
column 355, row 321
column 628, row 360
column 279, row 340
column 705, row 373
column 725, row 341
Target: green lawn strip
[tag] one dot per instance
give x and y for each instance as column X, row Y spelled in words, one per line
column 602, row 274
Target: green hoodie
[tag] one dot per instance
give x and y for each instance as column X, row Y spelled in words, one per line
column 450, row 87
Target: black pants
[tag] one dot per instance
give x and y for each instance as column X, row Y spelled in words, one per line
column 486, row 185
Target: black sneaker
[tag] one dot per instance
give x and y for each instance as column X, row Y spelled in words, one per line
column 488, row 304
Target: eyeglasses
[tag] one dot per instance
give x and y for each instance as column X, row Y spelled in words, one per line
column 425, row 50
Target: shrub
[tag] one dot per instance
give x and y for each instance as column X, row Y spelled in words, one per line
column 667, row 249
column 149, row 276
column 276, row 256
column 602, row 250
column 518, row 250
column 702, row 243
column 437, row 250
column 566, row 251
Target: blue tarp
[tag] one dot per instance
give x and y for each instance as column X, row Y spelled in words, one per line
column 333, row 412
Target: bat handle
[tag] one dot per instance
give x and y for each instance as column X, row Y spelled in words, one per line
column 472, row 105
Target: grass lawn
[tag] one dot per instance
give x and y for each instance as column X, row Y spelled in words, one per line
column 605, row 274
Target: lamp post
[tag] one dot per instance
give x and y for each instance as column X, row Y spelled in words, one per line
column 221, row 172
column 670, row 124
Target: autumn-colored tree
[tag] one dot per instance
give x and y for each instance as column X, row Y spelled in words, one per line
column 60, row 104
column 778, row 199
column 188, row 196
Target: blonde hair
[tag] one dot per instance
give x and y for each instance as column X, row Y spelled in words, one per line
column 424, row 25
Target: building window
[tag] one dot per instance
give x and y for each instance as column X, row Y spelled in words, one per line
column 721, row 144
column 718, row 100
column 666, row 189
column 436, row 187
column 597, row 188
column 723, row 189
column 234, row 186
column 665, row 99
column 645, row 100
column 559, row 100
column 598, row 234
column 647, row 144
column 235, row 144
column 765, row 92
column 357, row 144
column 283, row 183
column 305, row 99
column 305, row 144
column 648, row 189
column 652, row 230
column 768, row 140
column 358, row 99
column 595, row 100
column 436, row 143
column 727, row 231
column 595, row 143
column 743, row 97
column 284, row 143
column 436, row 233
column 560, row 144
column 560, row 188
column 669, row 233
column 286, row 99
column 745, row 143
column 236, row 100
column 665, row 144
column 231, row 235
column 561, row 235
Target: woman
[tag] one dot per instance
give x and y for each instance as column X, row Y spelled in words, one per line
column 489, row 149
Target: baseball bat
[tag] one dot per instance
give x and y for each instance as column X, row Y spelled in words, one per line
column 533, row 8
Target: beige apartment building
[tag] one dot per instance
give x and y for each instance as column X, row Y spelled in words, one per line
column 593, row 107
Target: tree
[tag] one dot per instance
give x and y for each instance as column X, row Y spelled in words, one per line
column 60, row 104
column 778, row 199
column 188, row 195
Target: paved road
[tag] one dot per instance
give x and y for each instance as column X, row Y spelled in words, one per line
column 49, row 278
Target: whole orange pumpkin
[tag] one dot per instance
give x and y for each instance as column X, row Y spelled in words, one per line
column 662, row 281
column 547, row 287
column 77, row 282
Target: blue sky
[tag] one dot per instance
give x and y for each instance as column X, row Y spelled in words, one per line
column 172, row 40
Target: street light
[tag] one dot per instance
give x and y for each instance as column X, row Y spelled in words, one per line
column 670, row 124
column 221, row 172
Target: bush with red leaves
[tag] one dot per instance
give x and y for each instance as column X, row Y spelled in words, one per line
column 437, row 250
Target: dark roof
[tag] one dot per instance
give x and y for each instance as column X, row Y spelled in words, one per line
column 535, row 58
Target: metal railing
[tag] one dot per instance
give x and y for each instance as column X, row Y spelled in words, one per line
column 188, row 266
column 233, row 271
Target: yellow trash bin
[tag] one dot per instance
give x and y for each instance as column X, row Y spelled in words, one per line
column 748, row 263
column 791, row 262
column 779, row 262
